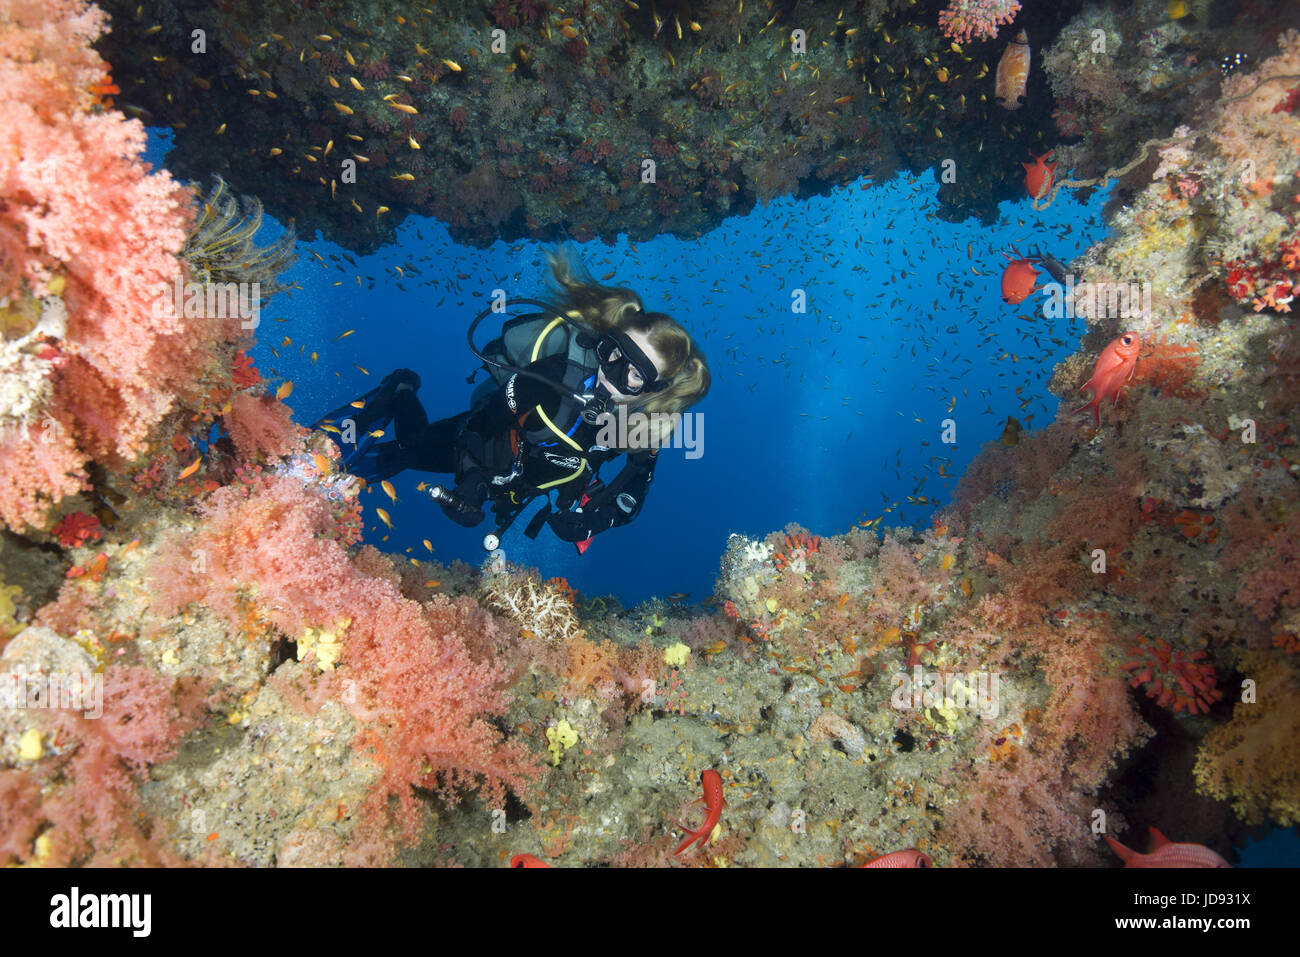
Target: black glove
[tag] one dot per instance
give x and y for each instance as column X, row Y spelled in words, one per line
column 396, row 388
column 401, row 377
column 472, row 491
column 579, row 526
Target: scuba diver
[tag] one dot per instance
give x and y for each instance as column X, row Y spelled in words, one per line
column 536, row 425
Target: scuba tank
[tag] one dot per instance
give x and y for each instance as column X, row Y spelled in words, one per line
column 525, row 339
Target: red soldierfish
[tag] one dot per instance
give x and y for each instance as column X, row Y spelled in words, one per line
column 910, row 857
column 1115, row 367
column 1039, row 176
column 1018, row 278
column 527, row 860
column 713, row 804
column 1165, row 853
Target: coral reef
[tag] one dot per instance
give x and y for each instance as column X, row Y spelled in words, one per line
column 584, row 121
column 204, row 663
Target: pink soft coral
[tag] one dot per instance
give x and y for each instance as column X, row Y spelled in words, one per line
column 80, row 212
column 91, row 800
column 421, row 677
column 244, row 372
column 260, row 425
column 269, row 538
column 37, row 467
column 1024, row 808
column 428, row 701
column 20, row 820
column 1273, row 578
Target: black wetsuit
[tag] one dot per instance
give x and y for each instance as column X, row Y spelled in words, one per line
column 503, row 444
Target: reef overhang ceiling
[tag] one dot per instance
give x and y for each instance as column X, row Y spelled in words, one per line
column 534, row 118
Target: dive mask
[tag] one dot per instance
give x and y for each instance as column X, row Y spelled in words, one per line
column 629, row 357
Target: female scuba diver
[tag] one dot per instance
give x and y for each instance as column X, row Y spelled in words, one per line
column 539, row 423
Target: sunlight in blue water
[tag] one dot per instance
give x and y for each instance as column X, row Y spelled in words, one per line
column 822, row 418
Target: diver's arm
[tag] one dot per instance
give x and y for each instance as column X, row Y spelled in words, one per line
column 501, row 410
column 626, row 493
column 610, row 505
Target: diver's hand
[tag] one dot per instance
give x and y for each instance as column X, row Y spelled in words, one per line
column 468, row 517
column 470, row 495
column 402, row 377
column 579, row 526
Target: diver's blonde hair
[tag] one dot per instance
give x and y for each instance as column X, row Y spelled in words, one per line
column 601, row 308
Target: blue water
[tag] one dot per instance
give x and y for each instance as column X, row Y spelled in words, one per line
column 1280, row 848
column 824, row 418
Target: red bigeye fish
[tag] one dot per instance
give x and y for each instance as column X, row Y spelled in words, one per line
column 1165, row 853
column 1115, row 367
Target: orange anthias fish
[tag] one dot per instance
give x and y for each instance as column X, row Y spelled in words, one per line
column 1165, row 853
column 1018, row 278
column 1039, row 175
column 910, row 857
column 527, row 860
column 1013, row 73
column 1115, row 367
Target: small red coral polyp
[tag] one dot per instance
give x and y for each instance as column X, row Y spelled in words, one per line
column 798, row 547
column 375, row 70
column 244, row 373
column 1176, row 680
column 76, row 529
